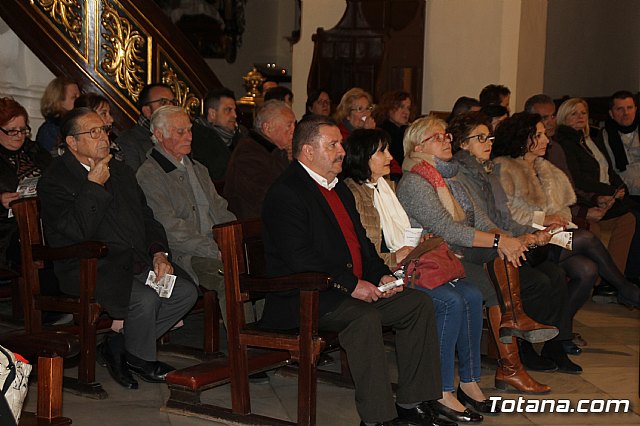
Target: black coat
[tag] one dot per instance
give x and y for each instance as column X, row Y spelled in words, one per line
column 74, row 210
column 9, row 183
column 301, row 234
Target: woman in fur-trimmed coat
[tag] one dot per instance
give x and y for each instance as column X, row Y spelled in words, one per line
column 539, row 192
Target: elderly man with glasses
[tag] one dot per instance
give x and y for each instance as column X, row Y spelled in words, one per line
column 136, row 141
column 86, row 195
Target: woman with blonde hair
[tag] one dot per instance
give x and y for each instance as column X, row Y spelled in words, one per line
column 593, row 174
column 435, row 200
column 57, row 99
column 354, row 112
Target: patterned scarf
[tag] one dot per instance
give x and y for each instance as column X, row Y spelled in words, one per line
column 441, row 176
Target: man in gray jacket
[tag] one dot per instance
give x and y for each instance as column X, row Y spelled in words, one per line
column 183, row 199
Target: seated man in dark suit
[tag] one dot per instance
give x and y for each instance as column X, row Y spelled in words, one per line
column 311, row 224
column 85, row 195
column 136, row 141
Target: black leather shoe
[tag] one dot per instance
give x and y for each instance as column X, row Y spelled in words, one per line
column 394, row 422
column 532, row 361
column 466, row 416
column 116, row 364
column 259, row 378
column 571, row 348
column 422, row 414
column 483, row 407
column 149, row 371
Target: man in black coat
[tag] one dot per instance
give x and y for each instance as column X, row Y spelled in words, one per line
column 311, row 224
column 86, row 196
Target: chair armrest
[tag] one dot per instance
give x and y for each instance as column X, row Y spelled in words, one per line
column 84, row 250
column 308, row 281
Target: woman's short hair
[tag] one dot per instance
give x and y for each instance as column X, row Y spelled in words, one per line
column 463, row 124
column 463, row 104
column 312, row 98
column 567, row 108
column 90, row 100
column 53, row 94
column 344, row 107
column 359, row 147
column 9, row 109
column 389, row 102
column 413, row 134
column 513, row 135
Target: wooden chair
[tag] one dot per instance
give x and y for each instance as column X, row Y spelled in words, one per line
column 46, row 352
column 252, row 349
column 86, row 310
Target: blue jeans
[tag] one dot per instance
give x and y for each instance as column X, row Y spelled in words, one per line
column 459, row 320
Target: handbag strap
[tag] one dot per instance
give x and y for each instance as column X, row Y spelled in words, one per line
column 426, row 246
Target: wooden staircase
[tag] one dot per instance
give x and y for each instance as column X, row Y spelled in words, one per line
column 113, row 47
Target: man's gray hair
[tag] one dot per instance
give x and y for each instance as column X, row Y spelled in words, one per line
column 535, row 100
column 268, row 112
column 161, row 118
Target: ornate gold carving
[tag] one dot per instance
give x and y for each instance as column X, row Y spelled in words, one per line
column 67, row 14
column 252, row 81
column 124, row 51
column 181, row 90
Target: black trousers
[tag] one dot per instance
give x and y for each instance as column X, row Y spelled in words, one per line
column 412, row 316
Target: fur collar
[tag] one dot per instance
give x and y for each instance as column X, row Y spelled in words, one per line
column 543, row 187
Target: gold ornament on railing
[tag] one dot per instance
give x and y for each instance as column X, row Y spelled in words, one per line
column 65, row 13
column 180, row 90
column 124, row 47
column 252, row 81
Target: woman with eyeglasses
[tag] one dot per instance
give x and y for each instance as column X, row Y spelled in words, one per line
column 101, row 105
column 20, row 159
column 592, row 172
column 537, row 190
column 394, row 114
column 57, row 100
column 458, row 304
column 354, row 112
column 436, row 201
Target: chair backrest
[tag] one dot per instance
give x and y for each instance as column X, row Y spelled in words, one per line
column 27, row 214
column 242, row 250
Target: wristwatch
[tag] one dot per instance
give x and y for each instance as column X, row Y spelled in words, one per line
column 496, row 241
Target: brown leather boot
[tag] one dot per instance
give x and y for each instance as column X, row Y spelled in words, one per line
column 510, row 371
column 515, row 322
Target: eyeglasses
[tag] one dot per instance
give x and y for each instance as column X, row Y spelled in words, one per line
column 361, row 109
column 95, row 132
column 439, row 137
column 164, row 101
column 481, row 137
column 15, row 132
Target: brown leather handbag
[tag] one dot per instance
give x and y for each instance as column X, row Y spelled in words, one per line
column 431, row 264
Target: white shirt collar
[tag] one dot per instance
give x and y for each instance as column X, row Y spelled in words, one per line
column 319, row 179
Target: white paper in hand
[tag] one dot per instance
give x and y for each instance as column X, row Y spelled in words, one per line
column 164, row 287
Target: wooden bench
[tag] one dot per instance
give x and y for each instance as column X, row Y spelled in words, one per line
column 252, row 349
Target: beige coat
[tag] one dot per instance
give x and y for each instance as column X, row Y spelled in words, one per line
column 370, row 218
column 543, row 187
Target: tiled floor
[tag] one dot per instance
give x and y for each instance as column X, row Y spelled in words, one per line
column 610, row 363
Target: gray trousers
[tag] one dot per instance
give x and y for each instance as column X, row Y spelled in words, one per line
column 150, row 316
column 207, row 272
column 412, row 316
